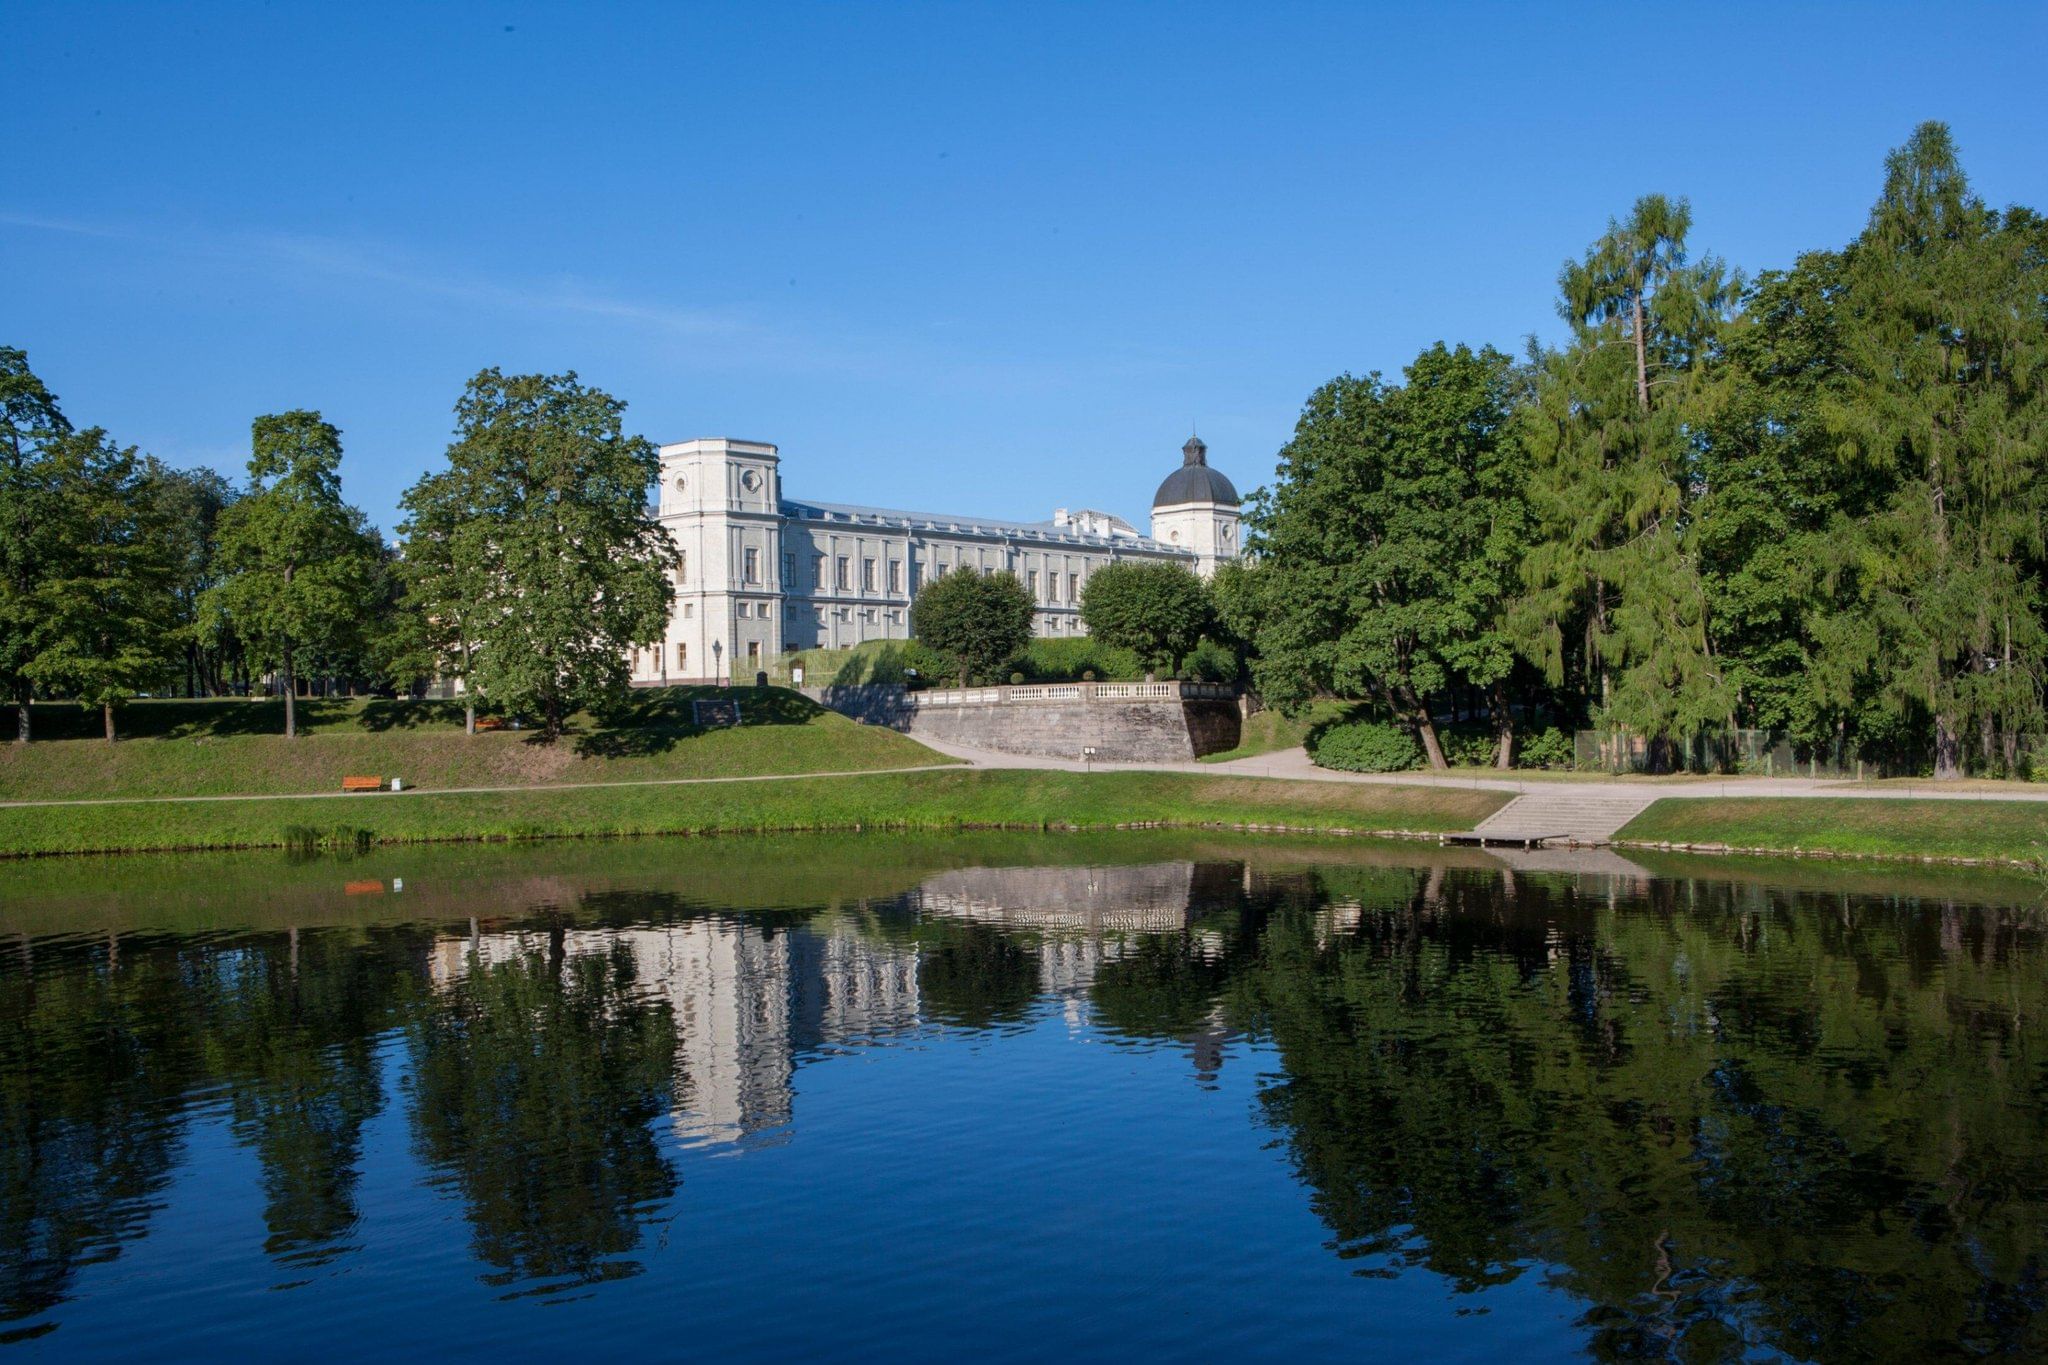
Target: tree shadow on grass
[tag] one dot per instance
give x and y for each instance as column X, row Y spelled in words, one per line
column 653, row 720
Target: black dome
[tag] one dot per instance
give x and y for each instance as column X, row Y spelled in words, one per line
column 1194, row 481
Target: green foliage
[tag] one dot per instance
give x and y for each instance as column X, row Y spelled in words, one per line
column 1944, row 343
column 1067, row 660
column 296, row 562
column 980, row 621
column 106, row 581
column 1614, row 578
column 1365, row 746
column 1388, row 542
column 1210, row 662
column 538, row 555
column 1157, row 611
column 30, row 422
column 1545, row 748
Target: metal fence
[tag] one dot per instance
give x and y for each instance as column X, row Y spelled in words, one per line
column 1771, row 753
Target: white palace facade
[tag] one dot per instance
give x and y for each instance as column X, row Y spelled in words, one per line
column 762, row 574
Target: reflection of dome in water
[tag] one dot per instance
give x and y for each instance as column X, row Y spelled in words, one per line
column 1194, row 481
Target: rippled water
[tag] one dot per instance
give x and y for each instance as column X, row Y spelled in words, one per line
column 1015, row 1098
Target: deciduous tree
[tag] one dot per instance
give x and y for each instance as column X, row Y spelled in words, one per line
column 980, row 620
column 29, row 421
column 294, row 558
column 1157, row 611
column 1388, row 541
column 538, row 548
column 106, row 627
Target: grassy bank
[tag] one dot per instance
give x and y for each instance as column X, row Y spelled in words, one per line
column 1978, row 831
column 217, row 748
column 909, row 801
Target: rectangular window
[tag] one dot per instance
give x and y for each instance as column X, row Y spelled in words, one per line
column 895, row 575
column 789, row 569
column 689, row 610
column 867, row 575
column 1031, row 583
column 682, row 658
column 818, row 570
column 1073, row 587
column 842, row 573
column 753, row 655
column 753, row 566
column 914, row 577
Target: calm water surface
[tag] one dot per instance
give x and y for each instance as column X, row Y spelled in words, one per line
column 1016, row 1098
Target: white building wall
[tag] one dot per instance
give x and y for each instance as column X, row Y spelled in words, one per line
column 826, row 575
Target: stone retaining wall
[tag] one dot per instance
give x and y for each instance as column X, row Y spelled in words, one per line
column 1122, row 722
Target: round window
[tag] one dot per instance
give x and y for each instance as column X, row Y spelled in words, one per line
column 1175, row 537
column 681, row 483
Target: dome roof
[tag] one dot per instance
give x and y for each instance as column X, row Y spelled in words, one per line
column 1194, row 481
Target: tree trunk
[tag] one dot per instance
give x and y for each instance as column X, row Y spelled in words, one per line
column 468, row 694
column 1642, row 358
column 21, row 727
column 1947, row 748
column 1426, row 727
column 1503, row 727
column 107, row 712
column 291, row 690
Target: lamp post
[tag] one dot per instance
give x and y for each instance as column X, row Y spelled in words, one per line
column 717, row 655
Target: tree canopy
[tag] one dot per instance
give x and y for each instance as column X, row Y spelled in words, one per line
column 534, row 554
column 1158, row 611
column 1387, row 543
column 296, row 560
column 980, row 621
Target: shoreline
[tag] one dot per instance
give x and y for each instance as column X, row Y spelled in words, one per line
column 943, row 799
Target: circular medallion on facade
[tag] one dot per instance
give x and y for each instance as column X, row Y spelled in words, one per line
column 681, row 483
column 751, row 480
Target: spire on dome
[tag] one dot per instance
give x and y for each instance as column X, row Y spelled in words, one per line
column 1194, row 452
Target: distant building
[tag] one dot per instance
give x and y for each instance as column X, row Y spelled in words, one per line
column 763, row 574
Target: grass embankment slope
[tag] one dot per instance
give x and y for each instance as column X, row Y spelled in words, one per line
column 223, row 748
column 937, row 801
column 1977, row 831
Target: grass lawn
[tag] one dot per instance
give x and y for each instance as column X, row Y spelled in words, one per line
column 1268, row 731
column 2005, row 831
column 1004, row 799
column 216, row 748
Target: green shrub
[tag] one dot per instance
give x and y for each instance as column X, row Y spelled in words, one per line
column 1365, row 746
column 1546, row 748
column 1469, row 745
column 1209, row 662
column 1067, row 660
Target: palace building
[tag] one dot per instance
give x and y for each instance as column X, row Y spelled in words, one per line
column 762, row 573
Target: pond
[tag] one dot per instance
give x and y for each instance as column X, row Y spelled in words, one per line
column 1017, row 1097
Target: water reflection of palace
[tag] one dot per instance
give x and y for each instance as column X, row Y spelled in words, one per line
column 750, row 997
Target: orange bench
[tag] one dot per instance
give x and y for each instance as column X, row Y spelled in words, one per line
column 489, row 723
column 362, row 784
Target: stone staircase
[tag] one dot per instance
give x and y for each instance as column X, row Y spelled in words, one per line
column 1563, row 814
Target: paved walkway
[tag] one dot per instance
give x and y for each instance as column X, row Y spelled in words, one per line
column 1589, row 810
column 1294, row 765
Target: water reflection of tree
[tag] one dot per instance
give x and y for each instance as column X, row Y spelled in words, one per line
column 1718, row 1122
column 535, row 1084
column 94, row 1066
column 293, row 1031
column 974, row 975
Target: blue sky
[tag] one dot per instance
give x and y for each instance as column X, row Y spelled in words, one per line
column 977, row 258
